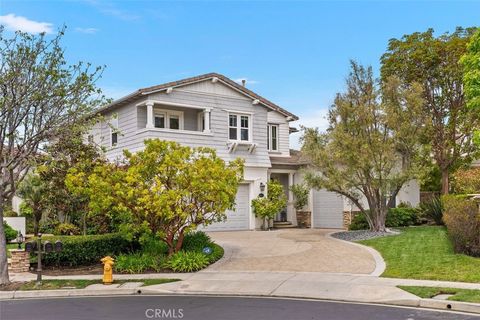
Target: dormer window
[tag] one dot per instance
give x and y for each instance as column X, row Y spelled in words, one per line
column 239, row 127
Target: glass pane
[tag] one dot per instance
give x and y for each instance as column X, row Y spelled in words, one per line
column 232, row 135
column 268, row 137
column 159, row 122
column 174, row 122
column 114, row 138
column 244, row 121
column 233, row 120
column 244, row 134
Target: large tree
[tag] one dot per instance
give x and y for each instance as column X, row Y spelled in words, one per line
column 370, row 149
column 42, row 98
column 166, row 189
column 471, row 76
column 433, row 62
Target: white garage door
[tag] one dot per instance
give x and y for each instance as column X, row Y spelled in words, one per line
column 327, row 209
column 236, row 219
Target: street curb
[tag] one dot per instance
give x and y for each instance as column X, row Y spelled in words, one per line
column 380, row 264
column 8, row 295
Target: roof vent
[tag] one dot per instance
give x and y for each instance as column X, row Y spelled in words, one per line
column 244, row 82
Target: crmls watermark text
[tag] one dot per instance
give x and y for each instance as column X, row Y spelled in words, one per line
column 159, row 313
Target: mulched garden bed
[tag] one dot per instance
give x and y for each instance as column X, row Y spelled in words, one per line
column 359, row 235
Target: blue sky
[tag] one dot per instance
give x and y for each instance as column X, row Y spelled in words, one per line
column 294, row 53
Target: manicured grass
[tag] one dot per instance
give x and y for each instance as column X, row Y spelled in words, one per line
column 425, row 253
column 81, row 284
column 465, row 295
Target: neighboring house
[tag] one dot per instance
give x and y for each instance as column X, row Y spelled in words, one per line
column 214, row 111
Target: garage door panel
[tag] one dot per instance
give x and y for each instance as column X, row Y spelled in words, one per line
column 237, row 219
column 327, row 209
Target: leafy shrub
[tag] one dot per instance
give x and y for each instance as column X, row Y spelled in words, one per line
column 462, row 218
column 432, row 210
column 48, row 226
column 217, row 253
column 66, row 229
column 138, row 262
column 10, row 233
column 466, row 181
column 187, row 261
column 301, row 192
column 196, row 241
column 86, row 250
column 396, row 217
column 154, row 246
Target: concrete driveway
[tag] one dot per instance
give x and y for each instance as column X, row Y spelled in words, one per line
column 294, row 250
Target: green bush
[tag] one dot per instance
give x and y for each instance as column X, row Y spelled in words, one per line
column 154, row 246
column 217, row 253
column 432, row 210
column 196, row 241
column 462, row 218
column 10, row 233
column 86, row 250
column 396, row 217
column 187, row 261
column 138, row 262
column 66, row 229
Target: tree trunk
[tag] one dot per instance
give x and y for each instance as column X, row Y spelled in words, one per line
column 445, row 181
column 35, row 226
column 4, row 279
column 378, row 217
column 179, row 244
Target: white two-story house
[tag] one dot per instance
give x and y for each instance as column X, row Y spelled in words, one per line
column 212, row 110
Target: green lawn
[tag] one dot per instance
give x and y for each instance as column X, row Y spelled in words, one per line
column 425, row 253
column 465, row 295
column 81, row 284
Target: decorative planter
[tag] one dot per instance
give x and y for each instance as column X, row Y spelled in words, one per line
column 304, row 219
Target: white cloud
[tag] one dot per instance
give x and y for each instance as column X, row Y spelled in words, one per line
column 87, row 30
column 249, row 81
column 314, row 119
column 14, row 23
column 109, row 8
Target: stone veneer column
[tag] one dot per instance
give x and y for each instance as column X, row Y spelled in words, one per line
column 20, row 261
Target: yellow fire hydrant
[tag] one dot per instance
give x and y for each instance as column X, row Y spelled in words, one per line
column 107, row 270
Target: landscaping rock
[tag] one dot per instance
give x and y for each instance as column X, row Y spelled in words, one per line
column 362, row 235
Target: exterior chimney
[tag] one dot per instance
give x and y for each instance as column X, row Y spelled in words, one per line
column 244, row 82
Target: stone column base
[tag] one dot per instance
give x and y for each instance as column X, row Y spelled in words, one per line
column 20, row 261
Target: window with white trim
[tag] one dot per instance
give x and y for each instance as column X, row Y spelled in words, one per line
column 272, row 137
column 239, row 127
column 114, row 130
column 168, row 119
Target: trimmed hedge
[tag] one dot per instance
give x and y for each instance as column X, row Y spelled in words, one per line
column 396, row 217
column 87, row 250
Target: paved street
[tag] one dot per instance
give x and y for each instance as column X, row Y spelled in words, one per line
column 207, row 308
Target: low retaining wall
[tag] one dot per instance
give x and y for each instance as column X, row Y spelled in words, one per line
column 20, row 261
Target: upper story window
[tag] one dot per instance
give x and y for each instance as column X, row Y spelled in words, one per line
column 239, row 127
column 114, row 130
column 272, row 137
column 168, row 119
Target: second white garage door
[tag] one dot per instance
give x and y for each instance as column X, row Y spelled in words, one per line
column 237, row 219
column 327, row 209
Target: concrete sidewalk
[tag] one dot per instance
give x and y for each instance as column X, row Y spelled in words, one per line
column 311, row 285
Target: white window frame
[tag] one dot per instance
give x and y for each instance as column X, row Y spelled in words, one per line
column 270, row 137
column 167, row 113
column 113, row 129
column 239, row 126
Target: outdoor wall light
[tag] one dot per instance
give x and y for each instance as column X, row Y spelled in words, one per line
column 20, row 239
column 262, row 187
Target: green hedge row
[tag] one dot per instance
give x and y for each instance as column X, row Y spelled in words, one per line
column 87, row 250
column 396, row 217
